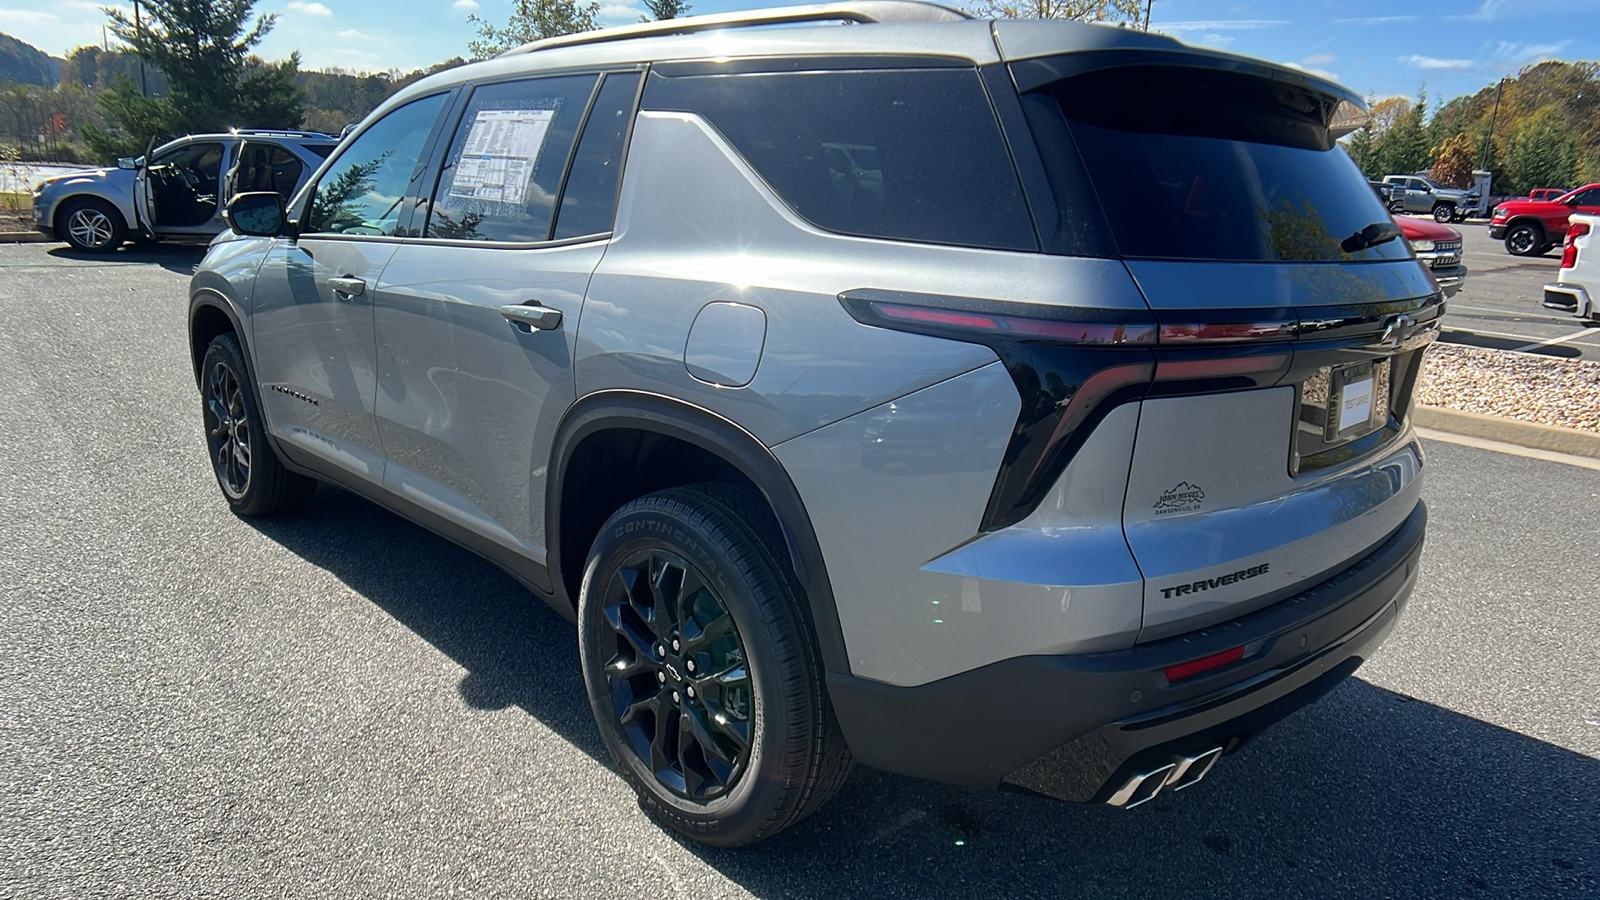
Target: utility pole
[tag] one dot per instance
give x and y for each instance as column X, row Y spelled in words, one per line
column 1147, row 5
column 1488, row 145
column 144, row 89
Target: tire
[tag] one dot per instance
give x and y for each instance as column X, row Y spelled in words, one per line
column 701, row 669
column 252, row 479
column 93, row 226
column 1525, row 239
column 1444, row 213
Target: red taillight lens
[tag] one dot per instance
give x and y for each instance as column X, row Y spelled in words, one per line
column 1569, row 247
column 1104, row 333
column 1204, row 664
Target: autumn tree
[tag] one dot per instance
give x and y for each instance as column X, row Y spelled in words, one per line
column 666, row 9
column 1453, row 161
column 532, row 20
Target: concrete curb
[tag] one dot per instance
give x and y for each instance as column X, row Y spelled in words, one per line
column 1509, row 431
column 22, row 237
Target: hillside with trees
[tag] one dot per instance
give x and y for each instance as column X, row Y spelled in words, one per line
column 24, row 63
column 1545, row 133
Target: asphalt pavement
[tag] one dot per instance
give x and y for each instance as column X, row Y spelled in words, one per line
column 338, row 704
column 1499, row 306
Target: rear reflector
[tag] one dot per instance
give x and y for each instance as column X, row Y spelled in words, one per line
column 1204, row 664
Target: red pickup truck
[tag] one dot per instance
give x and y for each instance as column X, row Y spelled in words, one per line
column 1532, row 227
column 1439, row 248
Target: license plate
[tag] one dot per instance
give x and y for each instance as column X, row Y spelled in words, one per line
column 1352, row 400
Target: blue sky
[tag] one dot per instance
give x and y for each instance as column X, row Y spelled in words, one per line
column 1377, row 47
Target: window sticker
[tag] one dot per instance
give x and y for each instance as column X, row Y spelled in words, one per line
column 500, row 154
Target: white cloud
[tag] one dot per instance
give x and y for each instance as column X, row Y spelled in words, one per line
column 1485, row 13
column 1430, row 62
column 1219, row 25
column 1377, row 20
column 619, row 12
column 465, row 4
column 1319, row 59
column 354, row 35
column 1320, row 73
column 1525, row 54
column 309, row 8
column 26, row 17
column 1213, row 40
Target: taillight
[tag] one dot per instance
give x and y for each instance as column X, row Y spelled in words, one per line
column 1569, row 247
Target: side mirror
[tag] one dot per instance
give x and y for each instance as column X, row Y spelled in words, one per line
column 258, row 214
column 128, row 162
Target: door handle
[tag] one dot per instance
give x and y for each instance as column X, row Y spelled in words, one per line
column 348, row 287
column 530, row 315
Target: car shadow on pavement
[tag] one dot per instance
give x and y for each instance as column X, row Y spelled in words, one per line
column 515, row 649
column 180, row 258
column 1366, row 793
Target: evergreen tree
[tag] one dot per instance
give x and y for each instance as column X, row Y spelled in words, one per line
column 532, row 20
column 666, row 9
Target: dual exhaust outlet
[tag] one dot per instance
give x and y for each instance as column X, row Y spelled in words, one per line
column 1185, row 771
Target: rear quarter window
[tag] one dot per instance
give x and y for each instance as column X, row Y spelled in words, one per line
column 914, row 155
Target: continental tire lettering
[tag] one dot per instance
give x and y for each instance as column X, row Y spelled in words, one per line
column 1195, row 587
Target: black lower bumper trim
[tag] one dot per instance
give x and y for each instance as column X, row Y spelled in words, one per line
column 1065, row 725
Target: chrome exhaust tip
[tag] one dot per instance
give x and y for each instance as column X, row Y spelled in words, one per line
column 1185, row 771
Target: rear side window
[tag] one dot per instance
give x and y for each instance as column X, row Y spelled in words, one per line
column 320, row 151
column 267, row 167
column 590, row 198
column 503, row 173
column 1192, row 164
column 913, row 155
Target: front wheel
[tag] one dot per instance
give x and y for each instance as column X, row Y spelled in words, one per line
column 1443, row 213
column 93, row 226
column 252, row 479
column 701, row 670
column 1524, row 240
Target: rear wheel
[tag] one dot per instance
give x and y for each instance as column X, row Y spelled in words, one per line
column 252, row 479
column 701, row 670
column 93, row 226
column 1443, row 213
column 1524, row 239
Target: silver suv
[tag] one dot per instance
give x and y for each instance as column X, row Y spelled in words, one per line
column 1013, row 404
column 180, row 192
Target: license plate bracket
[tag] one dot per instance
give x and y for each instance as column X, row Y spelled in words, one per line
column 1356, row 406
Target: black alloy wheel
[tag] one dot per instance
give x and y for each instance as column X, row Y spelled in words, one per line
column 701, row 668
column 253, row 480
column 1523, row 240
column 679, row 684
column 1443, row 213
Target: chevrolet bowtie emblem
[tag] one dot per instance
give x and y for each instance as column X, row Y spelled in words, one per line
column 1398, row 329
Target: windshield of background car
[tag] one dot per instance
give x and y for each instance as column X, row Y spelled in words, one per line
column 361, row 192
column 1207, row 165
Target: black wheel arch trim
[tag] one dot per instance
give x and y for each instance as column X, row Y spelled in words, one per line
column 723, row 438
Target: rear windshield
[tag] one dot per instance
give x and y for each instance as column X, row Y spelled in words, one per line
column 1200, row 165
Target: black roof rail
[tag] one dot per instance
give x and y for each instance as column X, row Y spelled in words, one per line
column 860, row 12
column 282, row 132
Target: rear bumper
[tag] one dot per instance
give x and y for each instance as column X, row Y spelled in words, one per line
column 1569, row 298
column 1072, row 727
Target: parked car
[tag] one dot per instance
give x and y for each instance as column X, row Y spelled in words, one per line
column 1578, row 280
column 179, row 193
column 1439, row 248
column 1532, row 227
column 1546, row 193
column 805, row 370
column 1416, row 194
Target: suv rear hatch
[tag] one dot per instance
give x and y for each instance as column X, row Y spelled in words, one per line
column 1291, row 317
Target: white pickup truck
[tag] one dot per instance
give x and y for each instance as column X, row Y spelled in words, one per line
column 1577, row 287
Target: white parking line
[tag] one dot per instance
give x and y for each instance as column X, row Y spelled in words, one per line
column 1582, row 462
column 1582, row 332
column 1451, row 307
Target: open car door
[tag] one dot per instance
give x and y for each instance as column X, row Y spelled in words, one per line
column 144, row 199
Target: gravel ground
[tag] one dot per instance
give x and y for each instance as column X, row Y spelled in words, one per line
column 1540, row 389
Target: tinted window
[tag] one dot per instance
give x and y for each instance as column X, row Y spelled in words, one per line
column 361, row 192
column 909, row 155
column 1591, row 197
column 590, row 197
column 320, row 151
column 1217, row 166
column 503, row 172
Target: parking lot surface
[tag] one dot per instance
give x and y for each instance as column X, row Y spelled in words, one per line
column 337, row 703
column 1499, row 307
